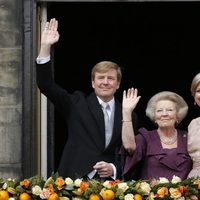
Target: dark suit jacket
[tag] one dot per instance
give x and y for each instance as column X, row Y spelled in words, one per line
column 85, row 122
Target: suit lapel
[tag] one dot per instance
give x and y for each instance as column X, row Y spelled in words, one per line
column 95, row 109
column 117, row 123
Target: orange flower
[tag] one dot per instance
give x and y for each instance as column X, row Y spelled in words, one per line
column 114, row 183
column 84, row 185
column 50, row 188
column 25, row 183
column 174, row 193
column 182, row 188
column 197, row 182
column 60, row 182
column 161, row 192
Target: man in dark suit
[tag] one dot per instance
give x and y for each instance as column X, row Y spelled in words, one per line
column 88, row 151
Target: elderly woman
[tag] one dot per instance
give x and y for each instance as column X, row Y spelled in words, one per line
column 194, row 130
column 163, row 151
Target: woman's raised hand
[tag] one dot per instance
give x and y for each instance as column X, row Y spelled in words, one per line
column 130, row 99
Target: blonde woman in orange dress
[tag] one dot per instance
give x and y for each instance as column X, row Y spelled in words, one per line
column 194, row 130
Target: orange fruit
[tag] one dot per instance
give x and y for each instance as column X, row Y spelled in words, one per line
column 53, row 196
column 24, row 196
column 107, row 194
column 4, row 195
column 137, row 197
column 94, row 197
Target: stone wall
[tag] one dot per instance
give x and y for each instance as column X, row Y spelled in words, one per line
column 10, row 88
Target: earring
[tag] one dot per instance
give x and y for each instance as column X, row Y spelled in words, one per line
column 195, row 103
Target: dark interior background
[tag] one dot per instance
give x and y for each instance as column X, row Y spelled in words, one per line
column 157, row 44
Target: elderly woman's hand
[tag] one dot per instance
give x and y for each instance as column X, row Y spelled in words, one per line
column 130, row 99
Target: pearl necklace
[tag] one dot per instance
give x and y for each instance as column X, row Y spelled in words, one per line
column 168, row 140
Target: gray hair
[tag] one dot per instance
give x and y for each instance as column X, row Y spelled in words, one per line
column 180, row 103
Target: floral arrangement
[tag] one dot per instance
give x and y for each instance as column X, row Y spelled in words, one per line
column 59, row 188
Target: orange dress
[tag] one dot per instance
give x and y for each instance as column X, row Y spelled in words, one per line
column 194, row 146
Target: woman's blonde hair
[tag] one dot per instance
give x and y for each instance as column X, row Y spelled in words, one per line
column 181, row 105
column 195, row 83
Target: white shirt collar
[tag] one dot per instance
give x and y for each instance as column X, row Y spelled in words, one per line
column 111, row 102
